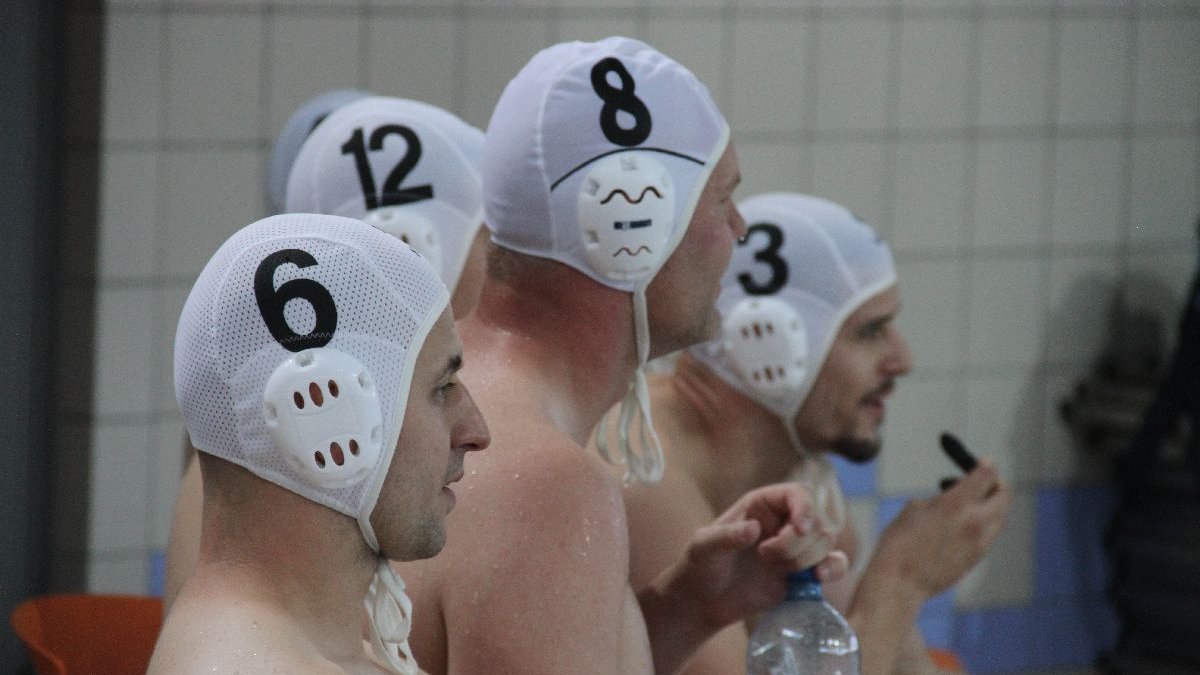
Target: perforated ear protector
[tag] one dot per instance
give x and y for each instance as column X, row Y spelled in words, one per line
column 766, row 341
column 412, row 228
column 626, row 208
column 323, row 412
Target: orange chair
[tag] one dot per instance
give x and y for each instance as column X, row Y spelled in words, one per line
column 87, row 634
column 946, row 661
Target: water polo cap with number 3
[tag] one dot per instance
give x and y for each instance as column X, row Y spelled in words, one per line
column 409, row 168
column 596, row 156
column 803, row 267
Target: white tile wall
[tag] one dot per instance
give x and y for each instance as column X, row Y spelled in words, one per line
column 1015, row 57
column 133, row 89
column 853, row 174
column 117, row 518
column 853, row 73
column 387, row 4
column 414, row 57
column 1082, row 296
column 1093, row 71
column 211, row 54
column 935, row 62
column 124, row 341
column 587, row 29
column 1168, row 71
column 310, row 53
column 769, row 167
column 1006, row 310
column 128, row 214
column 921, row 409
column 1088, row 191
column 1025, row 158
column 491, row 62
column 697, row 42
column 771, row 86
column 1013, row 189
column 608, row 4
column 933, row 296
column 1004, row 421
column 686, row 4
column 126, row 573
column 210, row 194
column 931, row 189
column 1165, row 203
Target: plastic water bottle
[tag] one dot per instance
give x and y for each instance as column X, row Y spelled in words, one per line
column 803, row 636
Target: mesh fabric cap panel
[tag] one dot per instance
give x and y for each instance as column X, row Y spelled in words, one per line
column 385, row 296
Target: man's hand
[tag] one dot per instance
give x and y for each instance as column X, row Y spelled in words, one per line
column 734, row 568
column 934, row 542
column 737, row 566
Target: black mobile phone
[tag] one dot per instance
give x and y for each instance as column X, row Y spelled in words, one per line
column 959, row 454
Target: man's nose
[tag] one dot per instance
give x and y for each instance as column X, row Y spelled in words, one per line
column 473, row 431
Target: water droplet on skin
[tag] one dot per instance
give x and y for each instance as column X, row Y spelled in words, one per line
column 516, row 475
column 253, row 625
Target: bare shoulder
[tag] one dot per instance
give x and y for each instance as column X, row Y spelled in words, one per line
column 536, row 555
column 662, row 518
column 214, row 633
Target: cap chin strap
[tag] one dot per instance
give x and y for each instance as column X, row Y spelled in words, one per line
column 390, row 614
column 646, row 466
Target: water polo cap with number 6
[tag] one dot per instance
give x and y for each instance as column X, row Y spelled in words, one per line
column 301, row 334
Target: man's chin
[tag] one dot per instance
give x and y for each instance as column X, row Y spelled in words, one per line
column 858, row 450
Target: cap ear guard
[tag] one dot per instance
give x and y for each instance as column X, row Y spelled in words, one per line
column 411, row 228
column 626, row 212
column 766, row 341
column 323, row 412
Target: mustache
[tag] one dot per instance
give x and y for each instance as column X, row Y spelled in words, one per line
column 882, row 391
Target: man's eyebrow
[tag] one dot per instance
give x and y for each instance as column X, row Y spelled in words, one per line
column 878, row 321
column 453, row 365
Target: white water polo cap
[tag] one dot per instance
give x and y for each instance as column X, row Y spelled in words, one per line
column 804, row 266
column 293, row 359
column 409, row 168
column 302, row 122
column 295, row 351
column 596, row 155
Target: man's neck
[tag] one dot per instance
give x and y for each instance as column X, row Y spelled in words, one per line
column 737, row 444
column 558, row 339
column 294, row 556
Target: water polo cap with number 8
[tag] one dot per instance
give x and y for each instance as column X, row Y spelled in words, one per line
column 803, row 267
column 596, row 156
